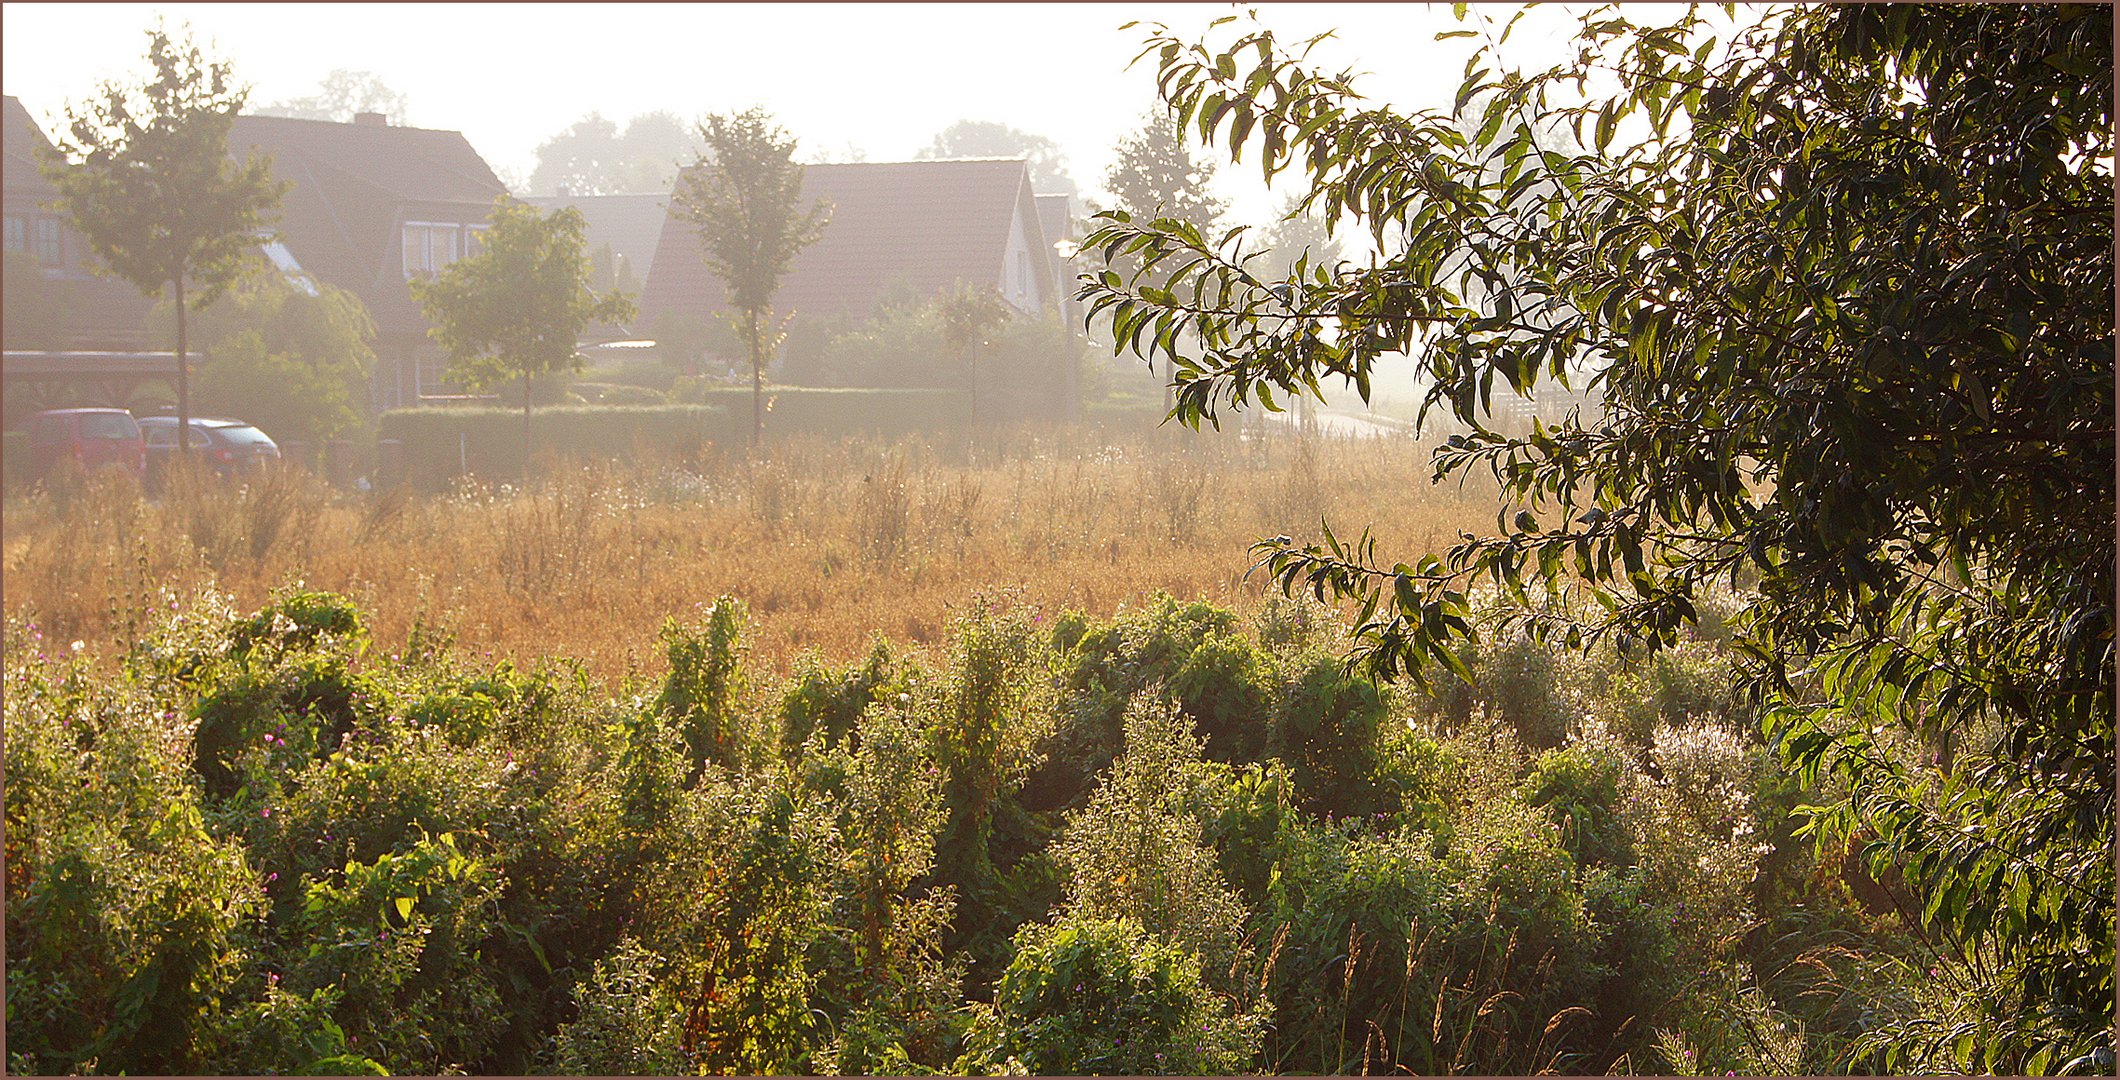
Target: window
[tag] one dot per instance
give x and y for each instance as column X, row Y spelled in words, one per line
column 44, row 239
column 104, row 425
column 17, row 233
column 429, row 246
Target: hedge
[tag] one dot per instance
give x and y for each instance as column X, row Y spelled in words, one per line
column 836, row 411
column 438, row 443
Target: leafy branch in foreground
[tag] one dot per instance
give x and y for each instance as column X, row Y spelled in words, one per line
column 1841, row 279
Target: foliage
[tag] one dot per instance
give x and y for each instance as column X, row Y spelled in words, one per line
column 1298, row 235
column 593, row 157
column 294, row 363
column 1155, row 175
column 517, row 308
column 989, row 138
column 1842, row 278
column 341, row 96
column 126, row 910
column 1089, row 995
column 706, row 686
column 628, row 1021
column 272, row 841
column 742, row 199
column 1135, row 850
column 144, row 174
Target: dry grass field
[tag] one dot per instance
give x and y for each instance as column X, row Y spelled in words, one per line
column 828, row 542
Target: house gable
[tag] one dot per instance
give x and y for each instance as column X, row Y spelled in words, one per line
column 356, row 189
column 922, row 225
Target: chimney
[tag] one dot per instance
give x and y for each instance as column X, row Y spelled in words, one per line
column 371, row 119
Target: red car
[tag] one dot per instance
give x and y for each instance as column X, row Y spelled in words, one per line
column 93, row 437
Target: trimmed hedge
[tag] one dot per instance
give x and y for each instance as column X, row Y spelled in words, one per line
column 836, row 411
column 439, row 443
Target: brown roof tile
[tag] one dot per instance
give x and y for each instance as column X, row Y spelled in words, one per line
column 354, row 184
column 925, row 224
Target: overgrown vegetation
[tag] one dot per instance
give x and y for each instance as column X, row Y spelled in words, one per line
column 1175, row 840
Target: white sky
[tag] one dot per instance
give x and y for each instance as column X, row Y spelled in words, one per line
column 881, row 79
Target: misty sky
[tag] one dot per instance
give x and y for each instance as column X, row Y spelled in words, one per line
column 870, row 80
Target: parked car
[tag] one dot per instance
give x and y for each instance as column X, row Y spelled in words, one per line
column 95, row 438
column 231, row 447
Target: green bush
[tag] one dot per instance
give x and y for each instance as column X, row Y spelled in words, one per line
column 706, row 685
column 440, row 442
column 1137, row 850
column 1580, row 789
column 1328, row 726
column 127, row 917
column 14, row 459
column 627, row 1021
column 1102, row 996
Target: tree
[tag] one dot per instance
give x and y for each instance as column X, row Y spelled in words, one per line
column 1297, row 234
column 1156, row 177
column 146, row 178
column 970, row 313
column 517, row 308
column 293, row 362
column 594, row 158
column 1844, row 279
column 741, row 198
column 340, row 97
column 987, row 138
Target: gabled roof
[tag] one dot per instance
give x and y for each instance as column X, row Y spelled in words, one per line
column 94, row 311
column 354, row 184
column 1056, row 216
column 631, row 224
column 22, row 137
column 923, row 224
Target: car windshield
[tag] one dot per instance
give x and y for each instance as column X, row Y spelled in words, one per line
column 108, row 426
column 241, row 434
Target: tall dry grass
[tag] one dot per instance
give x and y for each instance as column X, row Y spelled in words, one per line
column 830, row 542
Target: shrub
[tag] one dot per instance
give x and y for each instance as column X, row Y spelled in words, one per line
column 1089, row 995
column 740, row 908
column 627, row 1022
column 1580, row 789
column 704, row 690
column 126, row 916
column 1136, row 849
column 1327, row 726
column 817, row 701
column 400, row 938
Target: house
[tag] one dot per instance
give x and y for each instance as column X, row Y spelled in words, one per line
column 630, row 225
column 66, row 306
column 923, row 225
column 1056, row 215
column 372, row 207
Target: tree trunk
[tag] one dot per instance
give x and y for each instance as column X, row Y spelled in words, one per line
column 758, row 382
column 183, row 377
column 526, row 426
